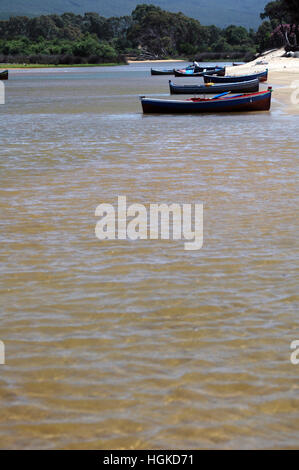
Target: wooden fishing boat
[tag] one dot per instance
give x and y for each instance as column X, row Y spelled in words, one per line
column 240, row 87
column 187, row 73
column 262, row 76
column 198, row 68
column 162, row 72
column 219, row 104
column 4, row 75
column 170, row 71
column 192, row 73
column 220, row 72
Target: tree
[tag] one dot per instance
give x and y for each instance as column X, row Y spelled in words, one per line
column 95, row 24
column 89, row 45
column 264, row 36
column 292, row 8
column 221, row 46
column 142, row 11
column 284, row 18
column 149, row 29
column 237, row 35
column 42, row 26
column 277, row 12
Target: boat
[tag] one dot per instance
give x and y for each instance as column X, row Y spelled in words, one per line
column 209, row 88
column 162, row 72
column 219, row 71
column 170, row 71
column 219, row 104
column 192, row 73
column 4, row 75
column 262, row 76
column 198, row 68
column 187, row 73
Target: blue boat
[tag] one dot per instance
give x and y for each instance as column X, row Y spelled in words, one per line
column 162, row 72
column 170, row 71
column 209, row 88
column 262, row 76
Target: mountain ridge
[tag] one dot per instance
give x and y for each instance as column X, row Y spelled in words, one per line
column 239, row 12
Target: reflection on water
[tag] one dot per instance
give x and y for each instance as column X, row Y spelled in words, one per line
column 142, row 344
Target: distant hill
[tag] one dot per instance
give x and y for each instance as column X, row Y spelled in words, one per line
column 219, row 12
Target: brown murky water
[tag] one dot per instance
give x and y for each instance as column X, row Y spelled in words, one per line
column 125, row 344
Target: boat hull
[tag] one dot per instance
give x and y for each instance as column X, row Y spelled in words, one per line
column 162, row 72
column 4, row 75
column 220, row 72
column 210, row 69
column 263, row 77
column 239, row 87
column 243, row 103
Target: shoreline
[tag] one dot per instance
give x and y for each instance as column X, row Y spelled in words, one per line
column 283, row 71
column 156, row 61
column 53, row 66
column 7, row 66
column 286, row 88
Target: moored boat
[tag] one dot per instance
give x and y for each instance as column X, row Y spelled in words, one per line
column 4, row 75
column 162, row 72
column 187, row 73
column 220, row 104
column 239, row 87
column 171, row 71
column 192, row 73
column 220, row 72
column 198, row 68
column 262, row 76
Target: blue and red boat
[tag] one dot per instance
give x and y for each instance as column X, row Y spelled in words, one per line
column 219, row 104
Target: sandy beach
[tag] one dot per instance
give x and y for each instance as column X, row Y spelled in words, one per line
column 283, row 73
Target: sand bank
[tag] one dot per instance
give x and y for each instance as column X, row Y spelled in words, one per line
column 283, row 75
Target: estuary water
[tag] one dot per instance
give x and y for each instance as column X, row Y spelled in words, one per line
column 141, row 344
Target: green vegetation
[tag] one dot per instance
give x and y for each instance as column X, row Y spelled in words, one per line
column 65, row 39
column 149, row 32
column 46, row 66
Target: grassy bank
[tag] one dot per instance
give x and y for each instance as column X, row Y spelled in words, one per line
column 45, row 66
